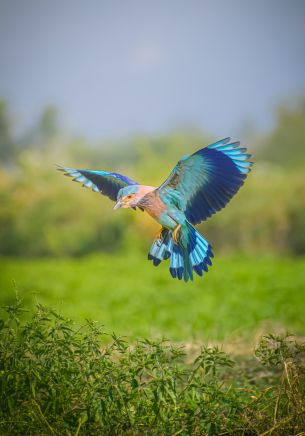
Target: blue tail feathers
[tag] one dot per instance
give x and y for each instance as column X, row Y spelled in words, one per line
column 161, row 248
column 193, row 253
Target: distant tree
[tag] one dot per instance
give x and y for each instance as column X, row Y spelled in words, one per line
column 286, row 143
column 7, row 144
column 48, row 125
column 44, row 130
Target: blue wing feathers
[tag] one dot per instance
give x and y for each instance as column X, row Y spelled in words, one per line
column 204, row 182
column 225, row 174
column 221, row 143
column 104, row 182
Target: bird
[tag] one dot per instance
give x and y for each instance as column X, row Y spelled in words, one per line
column 199, row 185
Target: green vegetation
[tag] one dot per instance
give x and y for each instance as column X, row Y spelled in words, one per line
column 58, row 379
column 239, row 297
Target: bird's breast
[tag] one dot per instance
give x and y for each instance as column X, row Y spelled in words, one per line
column 153, row 204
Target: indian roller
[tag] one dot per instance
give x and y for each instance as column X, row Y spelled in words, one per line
column 199, row 186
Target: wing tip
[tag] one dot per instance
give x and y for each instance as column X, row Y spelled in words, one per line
column 59, row 167
column 66, row 170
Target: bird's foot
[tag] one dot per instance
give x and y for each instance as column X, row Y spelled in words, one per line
column 159, row 236
column 176, row 233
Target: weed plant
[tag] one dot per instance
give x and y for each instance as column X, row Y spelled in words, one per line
column 57, row 378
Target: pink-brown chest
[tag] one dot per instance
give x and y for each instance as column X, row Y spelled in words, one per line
column 152, row 204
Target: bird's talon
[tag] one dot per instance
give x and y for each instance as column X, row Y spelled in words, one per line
column 159, row 237
column 176, row 233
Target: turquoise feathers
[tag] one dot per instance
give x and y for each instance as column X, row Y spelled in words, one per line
column 104, row 182
column 198, row 254
column 198, row 186
column 204, row 182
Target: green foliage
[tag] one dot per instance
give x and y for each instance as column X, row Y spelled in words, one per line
column 281, row 407
column 237, row 297
column 7, row 144
column 285, row 145
column 56, row 378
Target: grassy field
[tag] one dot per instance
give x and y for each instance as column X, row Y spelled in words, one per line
column 239, row 298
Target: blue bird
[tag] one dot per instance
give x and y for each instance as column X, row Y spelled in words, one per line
column 198, row 186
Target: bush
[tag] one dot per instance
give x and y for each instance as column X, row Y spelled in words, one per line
column 57, row 378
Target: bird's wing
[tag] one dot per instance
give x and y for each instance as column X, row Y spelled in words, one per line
column 203, row 183
column 106, row 183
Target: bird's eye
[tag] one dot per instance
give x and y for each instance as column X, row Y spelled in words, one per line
column 129, row 196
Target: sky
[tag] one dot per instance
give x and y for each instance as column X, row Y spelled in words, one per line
column 118, row 68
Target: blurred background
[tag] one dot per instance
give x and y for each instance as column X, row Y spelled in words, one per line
column 132, row 86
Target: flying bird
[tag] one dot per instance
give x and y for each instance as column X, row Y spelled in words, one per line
column 199, row 186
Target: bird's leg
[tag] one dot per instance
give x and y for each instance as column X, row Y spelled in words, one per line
column 176, row 233
column 159, row 236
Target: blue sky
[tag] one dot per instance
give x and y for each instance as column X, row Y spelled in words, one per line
column 116, row 68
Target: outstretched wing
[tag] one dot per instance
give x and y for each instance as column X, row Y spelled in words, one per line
column 203, row 183
column 106, row 183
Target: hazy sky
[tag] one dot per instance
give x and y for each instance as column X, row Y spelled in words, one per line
column 121, row 67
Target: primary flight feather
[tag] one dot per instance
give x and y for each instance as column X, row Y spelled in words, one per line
column 198, row 186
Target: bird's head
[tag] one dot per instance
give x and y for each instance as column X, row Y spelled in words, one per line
column 127, row 197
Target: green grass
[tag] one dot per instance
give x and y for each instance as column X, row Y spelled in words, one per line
column 239, row 297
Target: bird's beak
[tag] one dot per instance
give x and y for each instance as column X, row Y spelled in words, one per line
column 118, row 205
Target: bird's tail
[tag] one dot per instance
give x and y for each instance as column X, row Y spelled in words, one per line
column 161, row 248
column 192, row 253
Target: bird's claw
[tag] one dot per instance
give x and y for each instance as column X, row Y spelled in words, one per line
column 176, row 233
column 159, row 237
